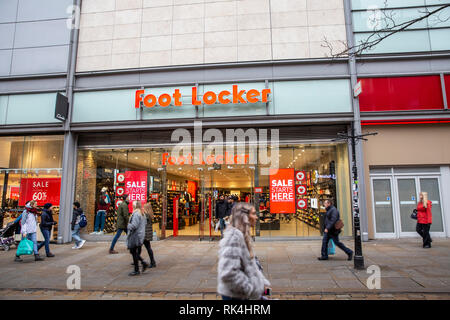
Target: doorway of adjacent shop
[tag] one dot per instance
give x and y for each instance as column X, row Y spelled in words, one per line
column 184, row 195
column 395, row 194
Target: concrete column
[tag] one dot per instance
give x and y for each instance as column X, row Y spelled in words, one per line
column 67, row 187
column 70, row 144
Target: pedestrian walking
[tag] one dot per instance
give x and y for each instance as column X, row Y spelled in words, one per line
column 330, row 232
column 123, row 216
column 240, row 275
column 424, row 219
column 148, row 213
column 135, row 237
column 102, row 208
column 221, row 212
column 46, row 226
column 29, row 228
column 76, row 218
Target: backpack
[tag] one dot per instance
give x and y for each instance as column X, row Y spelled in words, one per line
column 83, row 221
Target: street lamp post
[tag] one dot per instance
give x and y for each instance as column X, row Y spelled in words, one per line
column 358, row 257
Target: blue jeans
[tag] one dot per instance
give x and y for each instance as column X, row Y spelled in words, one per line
column 116, row 237
column 221, row 225
column 33, row 237
column 326, row 239
column 46, row 242
column 76, row 234
column 100, row 220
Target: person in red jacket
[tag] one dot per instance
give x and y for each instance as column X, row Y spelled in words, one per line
column 424, row 219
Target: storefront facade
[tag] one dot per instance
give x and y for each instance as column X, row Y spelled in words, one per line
column 194, row 180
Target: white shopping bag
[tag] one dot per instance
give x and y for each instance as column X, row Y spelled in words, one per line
column 217, row 227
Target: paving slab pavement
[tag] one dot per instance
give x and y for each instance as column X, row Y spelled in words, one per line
column 187, row 267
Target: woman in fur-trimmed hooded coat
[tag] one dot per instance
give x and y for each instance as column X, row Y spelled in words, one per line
column 240, row 276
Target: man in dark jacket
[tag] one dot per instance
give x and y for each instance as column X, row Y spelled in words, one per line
column 123, row 216
column 46, row 225
column 331, row 217
column 221, row 212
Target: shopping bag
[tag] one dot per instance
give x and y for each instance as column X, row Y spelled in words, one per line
column 25, row 247
column 217, row 227
column 331, row 247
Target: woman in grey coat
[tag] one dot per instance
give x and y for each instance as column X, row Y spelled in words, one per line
column 135, row 237
column 240, row 276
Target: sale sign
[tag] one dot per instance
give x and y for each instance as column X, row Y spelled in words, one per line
column 120, row 191
column 300, row 176
column 301, row 189
column 155, row 196
column 14, row 193
column 120, row 178
column 302, row 204
column 282, row 191
column 42, row 190
column 136, row 187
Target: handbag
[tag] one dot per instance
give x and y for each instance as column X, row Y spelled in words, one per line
column 414, row 214
column 339, row 224
column 331, row 247
column 25, row 247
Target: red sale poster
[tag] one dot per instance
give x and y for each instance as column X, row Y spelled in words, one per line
column 42, row 190
column 136, row 187
column 14, row 193
column 282, row 191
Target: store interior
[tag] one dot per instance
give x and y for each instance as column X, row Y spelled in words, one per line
column 196, row 187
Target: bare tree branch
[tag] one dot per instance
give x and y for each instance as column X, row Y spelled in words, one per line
column 384, row 27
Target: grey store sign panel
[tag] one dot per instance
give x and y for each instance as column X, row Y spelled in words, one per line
column 61, row 107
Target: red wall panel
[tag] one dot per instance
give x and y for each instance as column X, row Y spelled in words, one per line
column 401, row 93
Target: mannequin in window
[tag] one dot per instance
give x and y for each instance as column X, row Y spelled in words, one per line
column 104, row 202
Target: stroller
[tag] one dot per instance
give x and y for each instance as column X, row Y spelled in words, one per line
column 7, row 236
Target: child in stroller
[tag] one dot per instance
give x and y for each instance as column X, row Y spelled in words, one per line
column 7, row 235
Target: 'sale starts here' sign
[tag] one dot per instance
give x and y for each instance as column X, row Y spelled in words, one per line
column 136, row 187
column 282, row 191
